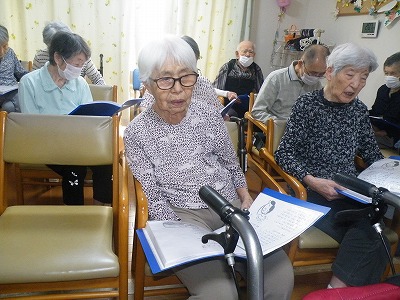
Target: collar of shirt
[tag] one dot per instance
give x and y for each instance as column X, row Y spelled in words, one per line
column 292, row 73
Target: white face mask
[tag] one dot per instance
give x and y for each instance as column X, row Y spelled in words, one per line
column 71, row 72
column 392, row 82
column 245, row 61
column 309, row 80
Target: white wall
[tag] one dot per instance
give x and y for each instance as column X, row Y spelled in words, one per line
column 320, row 14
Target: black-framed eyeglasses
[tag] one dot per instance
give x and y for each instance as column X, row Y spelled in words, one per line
column 314, row 74
column 166, row 83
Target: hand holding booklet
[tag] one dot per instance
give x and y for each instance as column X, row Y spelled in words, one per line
column 276, row 218
column 103, row 108
column 382, row 173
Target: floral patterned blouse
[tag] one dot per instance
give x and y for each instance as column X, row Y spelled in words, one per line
column 172, row 162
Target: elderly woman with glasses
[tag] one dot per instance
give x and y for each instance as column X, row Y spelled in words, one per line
column 57, row 88
column 325, row 131
column 178, row 145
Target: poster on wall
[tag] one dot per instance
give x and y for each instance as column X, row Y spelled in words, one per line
column 360, row 7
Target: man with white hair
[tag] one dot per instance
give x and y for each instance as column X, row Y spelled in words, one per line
column 240, row 75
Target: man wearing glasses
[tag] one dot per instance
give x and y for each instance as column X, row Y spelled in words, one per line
column 240, row 75
column 282, row 87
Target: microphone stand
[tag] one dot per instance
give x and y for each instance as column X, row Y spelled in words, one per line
column 375, row 211
column 237, row 221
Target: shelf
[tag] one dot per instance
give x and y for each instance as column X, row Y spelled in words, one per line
column 282, row 57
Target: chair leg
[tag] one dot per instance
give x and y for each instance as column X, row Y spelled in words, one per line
column 138, row 268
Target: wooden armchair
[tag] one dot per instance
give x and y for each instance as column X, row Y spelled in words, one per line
column 59, row 251
column 314, row 247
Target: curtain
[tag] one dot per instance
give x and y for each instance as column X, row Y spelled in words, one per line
column 216, row 25
column 119, row 28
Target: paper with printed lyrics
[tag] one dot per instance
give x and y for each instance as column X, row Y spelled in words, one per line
column 276, row 218
column 382, row 173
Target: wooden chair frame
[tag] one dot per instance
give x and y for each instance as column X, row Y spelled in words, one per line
column 84, row 288
column 169, row 283
column 326, row 251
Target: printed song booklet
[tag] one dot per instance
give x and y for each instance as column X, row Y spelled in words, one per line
column 276, row 218
column 103, row 108
column 382, row 173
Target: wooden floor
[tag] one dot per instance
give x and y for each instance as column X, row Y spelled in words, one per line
column 307, row 279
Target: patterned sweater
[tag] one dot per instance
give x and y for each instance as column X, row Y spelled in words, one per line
column 11, row 69
column 322, row 138
column 172, row 162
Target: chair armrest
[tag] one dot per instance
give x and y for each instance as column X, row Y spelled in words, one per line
column 296, row 185
column 142, row 213
column 251, row 122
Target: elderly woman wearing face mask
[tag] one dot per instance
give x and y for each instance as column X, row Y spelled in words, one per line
column 57, row 88
column 178, row 145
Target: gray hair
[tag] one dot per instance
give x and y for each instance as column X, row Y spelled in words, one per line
column 156, row 53
column 3, row 35
column 350, row 54
column 51, row 28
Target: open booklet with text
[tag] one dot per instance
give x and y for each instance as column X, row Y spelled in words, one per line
column 276, row 218
column 382, row 173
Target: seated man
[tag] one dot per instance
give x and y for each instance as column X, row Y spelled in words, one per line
column 282, row 87
column 240, row 75
column 387, row 104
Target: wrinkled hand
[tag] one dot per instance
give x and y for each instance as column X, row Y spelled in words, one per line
column 232, row 95
column 245, row 198
column 325, row 187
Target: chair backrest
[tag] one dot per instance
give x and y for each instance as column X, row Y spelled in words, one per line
column 276, row 128
column 26, row 64
column 135, row 80
column 60, row 139
column 104, row 92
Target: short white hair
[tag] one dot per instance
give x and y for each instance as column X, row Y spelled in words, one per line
column 156, row 53
column 350, row 54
